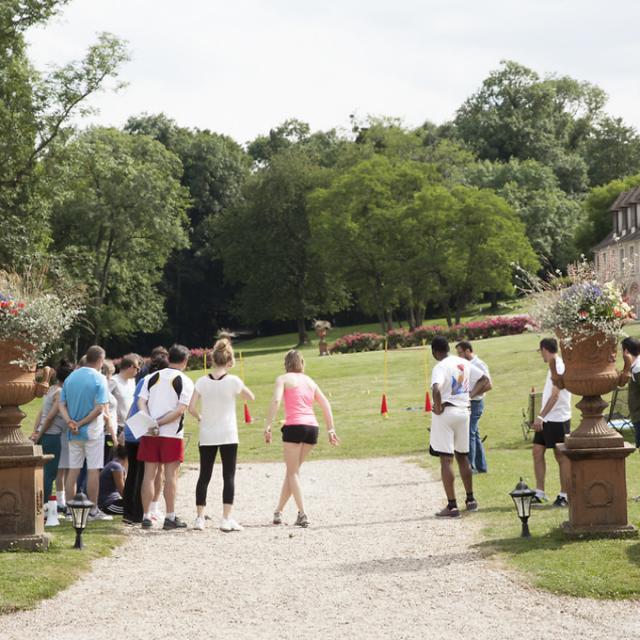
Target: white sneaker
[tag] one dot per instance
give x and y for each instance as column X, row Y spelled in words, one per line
column 157, row 516
column 199, row 523
column 100, row 515
column 230, row 525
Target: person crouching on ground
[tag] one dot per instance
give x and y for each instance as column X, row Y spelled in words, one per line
column 112, row 479
column 453, row 381
column 300, row 430
column 165, row 396
column 550, row 427
column 218, row 430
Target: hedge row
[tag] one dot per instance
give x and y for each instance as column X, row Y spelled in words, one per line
column 398, row 338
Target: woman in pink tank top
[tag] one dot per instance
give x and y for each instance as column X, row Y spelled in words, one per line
column 300, row 430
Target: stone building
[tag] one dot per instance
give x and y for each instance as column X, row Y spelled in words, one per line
column 618, row 254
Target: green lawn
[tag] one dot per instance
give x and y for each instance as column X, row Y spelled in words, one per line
column 27, row 577
column 602, row 569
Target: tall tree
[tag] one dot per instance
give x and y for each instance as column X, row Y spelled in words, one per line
column 215, row 169
column 265, row 245
column 612, row 151
column 518, row 114
column 551, row 217
column 120, row 214
column 358, row 228
column 35, row 110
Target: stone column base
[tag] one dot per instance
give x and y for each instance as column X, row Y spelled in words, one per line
column 598, row 492
column 25, row 543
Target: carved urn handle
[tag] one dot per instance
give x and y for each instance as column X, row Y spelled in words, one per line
column 42, row 386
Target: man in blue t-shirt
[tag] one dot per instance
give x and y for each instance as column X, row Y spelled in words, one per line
column 83, row 401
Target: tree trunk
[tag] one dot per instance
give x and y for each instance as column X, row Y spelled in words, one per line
column 493, row 297
column 411, row 317
column 303, row 337
column 381, row 320
column 447, row 312
column 420, row 311
column 389, row 319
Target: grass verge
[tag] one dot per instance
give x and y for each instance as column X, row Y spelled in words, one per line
column 28, row 577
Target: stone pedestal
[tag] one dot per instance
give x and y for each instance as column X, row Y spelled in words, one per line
column 598, row 491
column 21, row 487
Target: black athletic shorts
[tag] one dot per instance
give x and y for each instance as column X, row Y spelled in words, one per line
column 300, row 433
column 552, row 434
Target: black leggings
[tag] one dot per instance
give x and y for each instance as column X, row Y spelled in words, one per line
column 228, row 453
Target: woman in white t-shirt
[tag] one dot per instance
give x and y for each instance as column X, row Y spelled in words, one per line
column 218, row 431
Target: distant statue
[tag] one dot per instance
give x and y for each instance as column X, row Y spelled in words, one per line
column 322, row 329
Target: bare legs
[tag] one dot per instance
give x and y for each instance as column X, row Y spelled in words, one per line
column 539, row 465
column 294, row 455
column 448, row 477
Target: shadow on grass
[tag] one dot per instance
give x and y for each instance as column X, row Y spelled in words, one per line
column 551, row 541
column 633, row 553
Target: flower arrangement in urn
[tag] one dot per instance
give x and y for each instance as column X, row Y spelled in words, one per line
column 33, row 316
column 588, row 317
column 578, row 307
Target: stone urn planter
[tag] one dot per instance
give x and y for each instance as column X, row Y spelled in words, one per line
column 590, row 371
column 21, row 461
column 597, row 453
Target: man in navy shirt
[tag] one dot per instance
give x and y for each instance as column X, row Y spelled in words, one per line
column 83, row 401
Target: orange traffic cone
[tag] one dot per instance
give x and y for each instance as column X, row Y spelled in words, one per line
column 383, row 407
column 427, row 403
column 247, row 415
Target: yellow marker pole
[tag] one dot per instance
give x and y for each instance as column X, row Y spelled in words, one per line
column 204, row 358
column 241, row 366
column 427, row 397
column 247, row 414
column 384, row 410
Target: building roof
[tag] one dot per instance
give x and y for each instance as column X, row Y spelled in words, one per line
column 626, row 198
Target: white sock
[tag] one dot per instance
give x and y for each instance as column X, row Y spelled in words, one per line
column 93, row 511
column 540, row 494
column 562, row 495
column 154, row 507
column 171, row 516
column 61, row 498
column 146, row 516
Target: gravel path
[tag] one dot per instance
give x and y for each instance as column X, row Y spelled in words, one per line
column 375, row 563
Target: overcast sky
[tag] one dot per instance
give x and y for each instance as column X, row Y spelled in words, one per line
column 240, row 67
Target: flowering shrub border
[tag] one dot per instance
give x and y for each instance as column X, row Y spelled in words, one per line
column 399, row 338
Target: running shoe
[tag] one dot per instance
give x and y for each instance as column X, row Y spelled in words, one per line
column 277, row 517
column 230, row 525
column 561, row 501
column 199, row 523
column 99, row 515
column 472, row 505
column 448, row 513
column 157, row 516
column 176, row 523
column 538, row 501
column 146, row 523
column 301, row 520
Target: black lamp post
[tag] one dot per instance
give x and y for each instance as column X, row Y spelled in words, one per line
column 522, row 497
column 79, row 507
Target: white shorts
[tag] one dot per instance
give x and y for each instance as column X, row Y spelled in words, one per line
column 64, row 450
column 91, row 450
column 450, row 431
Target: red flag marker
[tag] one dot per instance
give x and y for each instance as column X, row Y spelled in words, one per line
column 247, row 415
column 383, row 407
column 427, row 403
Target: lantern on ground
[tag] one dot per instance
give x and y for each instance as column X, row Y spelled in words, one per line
column 79, row 507
column 522, row 497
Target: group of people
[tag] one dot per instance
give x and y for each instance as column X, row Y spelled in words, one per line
column 85, row 416
column 86, row 423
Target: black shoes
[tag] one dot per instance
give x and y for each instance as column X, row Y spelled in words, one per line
column 176, row 523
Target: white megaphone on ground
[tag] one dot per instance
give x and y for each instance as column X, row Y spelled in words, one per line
column 52, row 512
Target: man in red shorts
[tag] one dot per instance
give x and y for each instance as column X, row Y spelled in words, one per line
column 165, row 396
